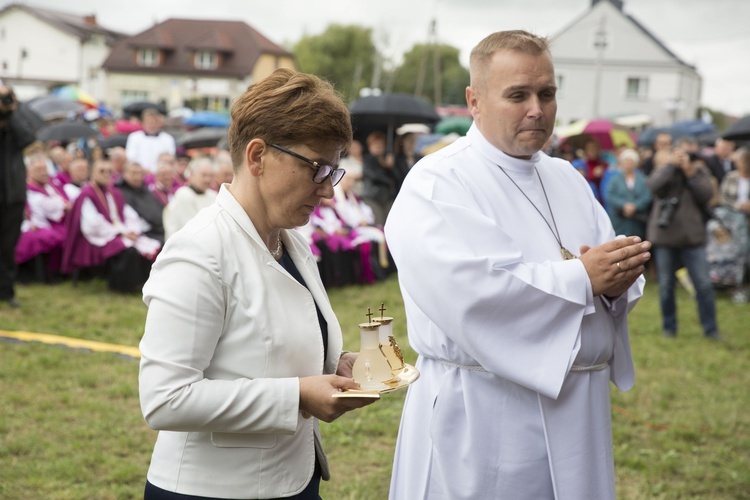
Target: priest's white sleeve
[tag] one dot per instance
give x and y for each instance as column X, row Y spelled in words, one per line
column 95, row 227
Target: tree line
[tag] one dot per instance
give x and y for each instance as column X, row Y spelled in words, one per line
column 347, row 56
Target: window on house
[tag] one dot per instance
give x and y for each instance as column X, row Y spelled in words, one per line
column 206, row 59
column 148, row 57
column 131, row 96
column 214, row 103
column 637, row 87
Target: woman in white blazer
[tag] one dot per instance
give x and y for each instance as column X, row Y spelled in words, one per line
column 242, row 351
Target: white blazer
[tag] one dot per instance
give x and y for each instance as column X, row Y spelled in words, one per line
column 227, row 336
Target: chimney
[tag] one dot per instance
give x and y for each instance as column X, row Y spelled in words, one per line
column 616, row 3
column 90, row 19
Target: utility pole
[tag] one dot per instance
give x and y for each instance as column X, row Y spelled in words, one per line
column 600, row 45
column 437, row 73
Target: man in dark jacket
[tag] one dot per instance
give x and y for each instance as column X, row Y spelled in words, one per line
column 143, row 201
column 720, row 163
column 682, row 189
column 16, row 133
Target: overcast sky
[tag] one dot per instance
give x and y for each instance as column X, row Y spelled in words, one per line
column 713, row 35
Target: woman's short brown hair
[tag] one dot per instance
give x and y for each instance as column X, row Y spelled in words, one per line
column 288, row 108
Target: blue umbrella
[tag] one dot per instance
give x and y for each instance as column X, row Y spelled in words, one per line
column 207, row 119
column 691, row 128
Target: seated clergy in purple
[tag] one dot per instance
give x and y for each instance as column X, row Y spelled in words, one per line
column 105, row 233
column 43, row 229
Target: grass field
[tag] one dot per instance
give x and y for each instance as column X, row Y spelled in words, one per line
column 71, row 427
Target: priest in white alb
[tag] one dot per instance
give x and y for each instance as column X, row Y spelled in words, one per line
column 516, row 292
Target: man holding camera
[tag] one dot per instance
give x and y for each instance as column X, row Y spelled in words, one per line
column 16, row 132
column 682, row 189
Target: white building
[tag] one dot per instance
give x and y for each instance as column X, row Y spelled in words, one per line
column 609, row 65
column 41, row 49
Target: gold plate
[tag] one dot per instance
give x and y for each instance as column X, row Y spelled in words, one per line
column 402, row 379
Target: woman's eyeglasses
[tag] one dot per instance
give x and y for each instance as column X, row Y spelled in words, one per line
column 322, row 171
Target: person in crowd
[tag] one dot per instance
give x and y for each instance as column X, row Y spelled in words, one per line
column 144, row 146
column 628, row 196
column 735, row 187
column 241, row 353
column 379, row 180
column 407, row 155
column 224, row 170
column 142, row 200
column 17, row 131
column 59, row 159
column 191, row 199
column 165, row 183
column 79, row 176
column 682, row 189
column 580, row 167
column 339, row 263
column 182, row 160
column 734, row 214
column 119, row 158
column 352, row 163
column 595, row 165
column 662, row 142
column 43, row 231
column 104, row 233
column 58, row 165
column 720, row 162
column 359, row 217
column 518, row 337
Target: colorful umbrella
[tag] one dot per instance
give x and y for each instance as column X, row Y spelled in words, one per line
column 608, row 134
column 75, row 94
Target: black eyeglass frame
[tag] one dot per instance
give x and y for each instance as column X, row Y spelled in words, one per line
column 333, row 173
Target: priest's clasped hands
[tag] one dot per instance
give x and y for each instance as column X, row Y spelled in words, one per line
column 614, row 266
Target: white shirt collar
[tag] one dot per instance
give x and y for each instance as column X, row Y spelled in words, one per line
column 498, row 157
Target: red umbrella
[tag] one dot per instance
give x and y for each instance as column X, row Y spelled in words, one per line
column 607, row 133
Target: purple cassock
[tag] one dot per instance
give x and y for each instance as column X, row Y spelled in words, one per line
column 78, row 252
column 61, row 179
column 47, row 237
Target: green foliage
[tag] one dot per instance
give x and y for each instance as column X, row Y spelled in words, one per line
column 343, row 55
column 419, row 65
column 71, row 427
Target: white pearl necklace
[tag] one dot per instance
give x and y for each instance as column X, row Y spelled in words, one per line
column 277, row 253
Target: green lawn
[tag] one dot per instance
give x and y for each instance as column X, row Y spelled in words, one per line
column 71, row 428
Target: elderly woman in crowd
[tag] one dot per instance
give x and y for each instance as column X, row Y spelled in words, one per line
column 628, row 197
column 242, row 351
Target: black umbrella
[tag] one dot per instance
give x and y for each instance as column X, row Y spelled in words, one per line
column 31, row 117
column 113, row 141
column 65, row 131
column 51, row 107
column 136, row 108
column 739, row 130
column 389, row 111
column 206, row 137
